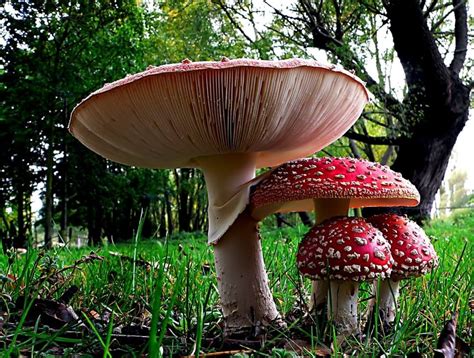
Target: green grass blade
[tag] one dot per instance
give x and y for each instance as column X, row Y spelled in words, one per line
column 135, row 246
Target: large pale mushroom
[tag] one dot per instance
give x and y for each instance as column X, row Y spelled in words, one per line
column 330, row 186
column 226, row 118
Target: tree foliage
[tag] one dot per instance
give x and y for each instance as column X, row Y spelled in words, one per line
column 54, row 54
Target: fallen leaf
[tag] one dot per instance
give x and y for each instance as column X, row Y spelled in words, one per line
column 51, row 313
column 303, row 347
column 447, row 339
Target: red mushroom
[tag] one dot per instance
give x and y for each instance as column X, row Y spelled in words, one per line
column 344, row 251
column 330, row 186
column 413, row 256
column 226, row 118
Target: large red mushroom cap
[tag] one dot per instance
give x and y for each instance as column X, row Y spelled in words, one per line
column 344, row 249
column 412, row 251
column 293, row 186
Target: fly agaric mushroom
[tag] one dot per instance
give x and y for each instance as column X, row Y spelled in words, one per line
column 344, row 251
column 330, row 186
column 226, row 118
column 413, row 256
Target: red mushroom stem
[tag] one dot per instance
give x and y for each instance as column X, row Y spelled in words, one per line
column 242, row 280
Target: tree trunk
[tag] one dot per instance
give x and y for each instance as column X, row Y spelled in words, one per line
column 20, row 239
column 162, row 215
column 64, row 192
column 90, row 225
column 97, row 226
column 279, row 220
column 423, row 160
column 94, row 225
column 305, row 218
column 169, row 214
column 5, row 234
column 437, row 103
column 48, row 218
column 199, row 218
column 182, row 184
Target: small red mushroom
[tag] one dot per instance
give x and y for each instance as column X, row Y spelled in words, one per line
column 413, row 256
column 341, row 183
column 344, row 251
column 330, row 186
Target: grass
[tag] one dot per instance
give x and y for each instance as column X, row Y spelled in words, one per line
column 176, row 295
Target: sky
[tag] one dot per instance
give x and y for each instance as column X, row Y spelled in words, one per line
column 463, row 152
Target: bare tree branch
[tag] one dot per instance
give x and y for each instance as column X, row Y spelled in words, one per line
column 372, row 8
column 323, row 41
column 426, row 74
column 386, row 156
column 430, row 8
column 366, row 115
column 460, row 31
column 438, row 7
column 337, row 11
column 367, row 147
column 286, row 16
column 373, row 140
column 353, row 21
column 234, row 22
column 388, row 153
column 355, row 151
column 321, row 36
column 440, row 21
column 287, row 37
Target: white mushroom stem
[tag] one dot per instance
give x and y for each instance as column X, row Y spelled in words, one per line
column 242, row 280
column 325, row 209
column 343, row 306
column 388, row 294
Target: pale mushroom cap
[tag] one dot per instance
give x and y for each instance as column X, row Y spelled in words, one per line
column 167, row 116
column 412, row 251
column 344, row 248
column 293, row 186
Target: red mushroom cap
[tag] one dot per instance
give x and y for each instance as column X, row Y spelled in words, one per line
column 412, row 251
column 293, row 186
column 344, row 249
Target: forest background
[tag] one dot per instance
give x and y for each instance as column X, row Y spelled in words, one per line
column 54, row 53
